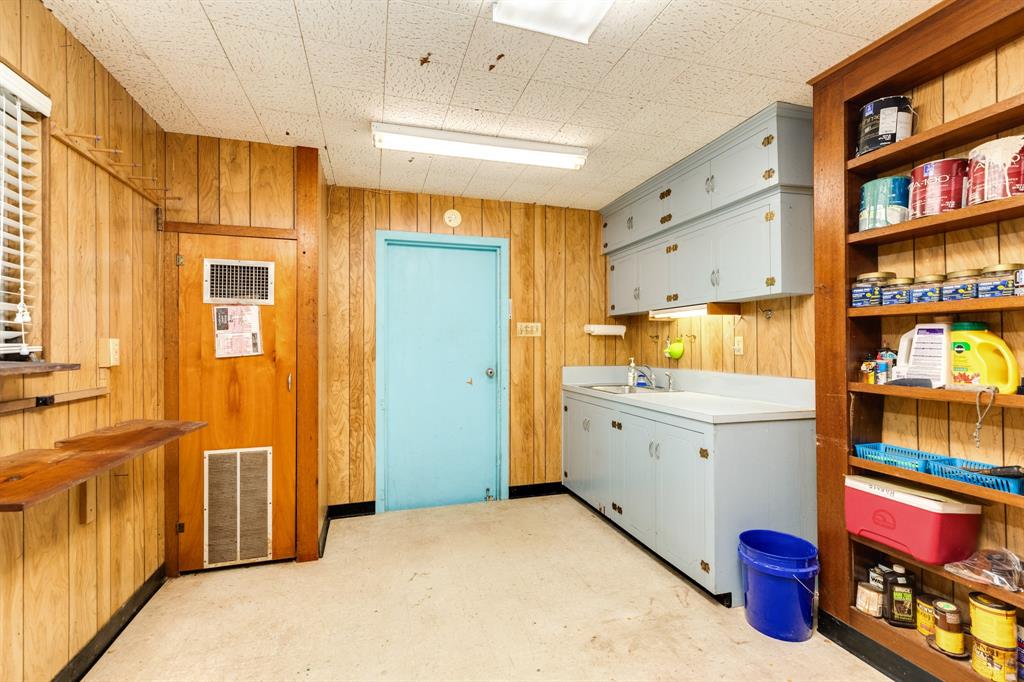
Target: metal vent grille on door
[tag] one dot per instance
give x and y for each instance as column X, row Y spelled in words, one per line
column 242, row 282
column 237, row 506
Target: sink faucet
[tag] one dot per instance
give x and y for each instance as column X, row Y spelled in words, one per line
column 648, row 374
column 668, row 376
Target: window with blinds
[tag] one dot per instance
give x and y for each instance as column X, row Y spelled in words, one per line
column 22, row 108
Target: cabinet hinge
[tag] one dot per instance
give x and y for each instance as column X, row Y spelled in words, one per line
column 179, row 260
column 768, row 174
column 612, row 268
column 769, row 216
column 769, row 281
column 705, row 566
column 565, row 408
column 179, row 527
column 768, row 139
column 704, row 454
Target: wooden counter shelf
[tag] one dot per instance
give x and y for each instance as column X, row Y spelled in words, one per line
column 911, row 645
column 973, row 127
column 941, row 395
column 957, row 487
column 1015, row 598
column 969, row 216
column 971, row 305
column 32, row 476
column 10, row 369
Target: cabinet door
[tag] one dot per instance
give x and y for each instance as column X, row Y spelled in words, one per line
column 647, row 212
column 691, row 268
column 617, row 229
column 574, row 460
column 601, row 442
column 622, row 285
column 637, row 489
column 681, row 523
column 743, row 255
column 742, row 169
column 652, row 277
column 690, row 195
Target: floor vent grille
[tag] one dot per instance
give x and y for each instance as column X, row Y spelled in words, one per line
column 237, row 506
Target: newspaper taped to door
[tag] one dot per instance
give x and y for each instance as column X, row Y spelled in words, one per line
column 237, row 331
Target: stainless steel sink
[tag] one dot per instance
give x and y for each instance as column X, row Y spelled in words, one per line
column 623, row 389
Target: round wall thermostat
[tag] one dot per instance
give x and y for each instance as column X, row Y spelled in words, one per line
column 452, row 218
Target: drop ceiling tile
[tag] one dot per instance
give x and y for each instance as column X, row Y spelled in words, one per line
column 450, row 169
column 570, row 63
column 626, row 21
column 345, row 67
column 292, row 129
column 281, row 94
column 712, row 88
column 549, row 101
column 402, row 171
column 337, row 104
column 522, row 128
column 492, row 179
column 352, row 23
column 267, row 15
column 470, row 7
column 416, row 30
column 358, row 177
column 581, row 136
column 657, row 118
column 602, row 110
column 519, row 51
column 413, row 112
column 478, row 121
column 348, row 134
column 643, row 169
column 264, row 53
column 433, row 82
column 689, row 27
column 867, row 19
column 639, row 74
column 205, row 86
column 488, row 91
column 355, row 164
column 526, row 192
column 771, row 46
column 94, row 25
column 172, row 37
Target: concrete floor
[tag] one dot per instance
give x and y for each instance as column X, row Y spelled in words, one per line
column 528, row 589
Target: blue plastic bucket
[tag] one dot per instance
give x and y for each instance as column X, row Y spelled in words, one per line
column 779, row 579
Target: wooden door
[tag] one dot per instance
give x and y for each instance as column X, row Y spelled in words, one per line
column 248, row 402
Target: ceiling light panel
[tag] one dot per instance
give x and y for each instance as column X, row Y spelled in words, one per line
column 570, row 20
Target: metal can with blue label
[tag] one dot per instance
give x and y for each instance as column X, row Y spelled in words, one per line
column 883, row 122
column 927, row 289
column 885, row 201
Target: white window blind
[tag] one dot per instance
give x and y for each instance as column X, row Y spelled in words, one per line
column 22, row 108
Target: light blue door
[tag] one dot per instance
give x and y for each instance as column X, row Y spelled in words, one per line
column 442, row 370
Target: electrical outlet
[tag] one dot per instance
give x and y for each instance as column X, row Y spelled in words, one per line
column 737, row 346
column 528, row 329
column 109, row 352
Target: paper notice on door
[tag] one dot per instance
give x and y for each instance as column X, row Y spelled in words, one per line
column 236, row 331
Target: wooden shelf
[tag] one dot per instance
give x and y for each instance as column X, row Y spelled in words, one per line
column 970, row 128
column 957, row 487
column 8, row 369
column 971, row 305
column 32, row 476
column 1015, row 598
column 942, row 395
column 969, row 216
column 911, row 645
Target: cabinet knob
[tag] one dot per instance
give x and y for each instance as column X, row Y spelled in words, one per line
column 769, row 281
column 768, row 139
column 612, row 268
column 704, row 453
column 604, row 226
column 675, row 297
column 769, row 216
column 768, row 174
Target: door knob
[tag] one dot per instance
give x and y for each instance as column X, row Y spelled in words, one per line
column 490, row 372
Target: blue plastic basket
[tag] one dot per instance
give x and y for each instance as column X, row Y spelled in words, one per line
column 953, row 469
column 896, row 456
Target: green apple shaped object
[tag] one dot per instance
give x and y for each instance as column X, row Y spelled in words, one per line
column 676, row 349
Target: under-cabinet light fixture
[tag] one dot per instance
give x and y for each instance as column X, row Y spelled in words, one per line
column 560, row 18
column 485, row 147
column 702, row 310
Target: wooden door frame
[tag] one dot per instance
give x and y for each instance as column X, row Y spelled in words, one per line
column 306, row 236
column 501, row 247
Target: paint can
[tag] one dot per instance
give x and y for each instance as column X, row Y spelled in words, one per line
column 994, row 663
column 992, row 621
column 884, row 121
column 937, row 187
column 1020, row 652
column 996, row 170
column 926, row 614
column 885, row 201
column 869, row 599
column 949, row 628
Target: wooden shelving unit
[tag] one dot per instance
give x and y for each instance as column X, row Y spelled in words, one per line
column 936, row 394
column 926, row 55
column 10, row 369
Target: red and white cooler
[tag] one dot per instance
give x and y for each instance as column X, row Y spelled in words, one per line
column 926, row 525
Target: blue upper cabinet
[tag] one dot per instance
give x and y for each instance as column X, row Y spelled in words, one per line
column 770, row 151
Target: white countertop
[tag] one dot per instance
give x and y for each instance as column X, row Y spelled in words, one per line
column 703, row 407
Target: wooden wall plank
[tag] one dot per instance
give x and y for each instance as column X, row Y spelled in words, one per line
column 82, row 565
column 12, row 589
column 207, row 180
column 540, row 357
column 403, row 211
column 234, row 183
column 81, row 88
column 356, row 358
column 438, row 205
column 46, row 583
column 182, row 177
column 496, row 218
column 272, row 183
column 576, row 286
column 472, row 216
column 10, row 32
column 554, row 348
column 521, row 353
column 337, row 349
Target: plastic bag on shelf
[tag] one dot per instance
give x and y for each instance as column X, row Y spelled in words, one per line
column 999, row 567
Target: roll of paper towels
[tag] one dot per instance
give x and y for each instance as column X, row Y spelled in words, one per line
column 605, row 329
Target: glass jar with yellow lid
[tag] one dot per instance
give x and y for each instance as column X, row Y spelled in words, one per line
column 867, row 289
column 998, row 280
column 897, row 291
column 960, row 285
column 927, row 289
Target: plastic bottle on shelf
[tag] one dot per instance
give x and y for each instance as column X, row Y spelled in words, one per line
column 899, row 601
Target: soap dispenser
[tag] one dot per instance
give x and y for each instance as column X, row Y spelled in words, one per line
column 631, row 373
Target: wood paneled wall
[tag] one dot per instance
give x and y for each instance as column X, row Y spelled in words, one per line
column 558, row 278
column 60, row 579
column 947, row 428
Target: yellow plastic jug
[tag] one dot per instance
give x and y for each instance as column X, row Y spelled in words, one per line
column 980, row 358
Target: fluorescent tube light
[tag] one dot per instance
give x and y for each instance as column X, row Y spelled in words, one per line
column 570, row 19
column 466, row 145
column 702, row 310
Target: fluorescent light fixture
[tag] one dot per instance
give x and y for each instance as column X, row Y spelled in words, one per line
column 446, row 143
column 702, row 310
column 569, row 19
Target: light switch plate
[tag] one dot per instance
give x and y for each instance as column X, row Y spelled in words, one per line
column 737, row 345
column 109, row 352
column 528, row 329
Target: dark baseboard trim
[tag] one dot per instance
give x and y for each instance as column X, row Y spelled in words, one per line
column 85, row 659
column 517, row 492
column 326, row 526
column 344, row 511
column 868, row 650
